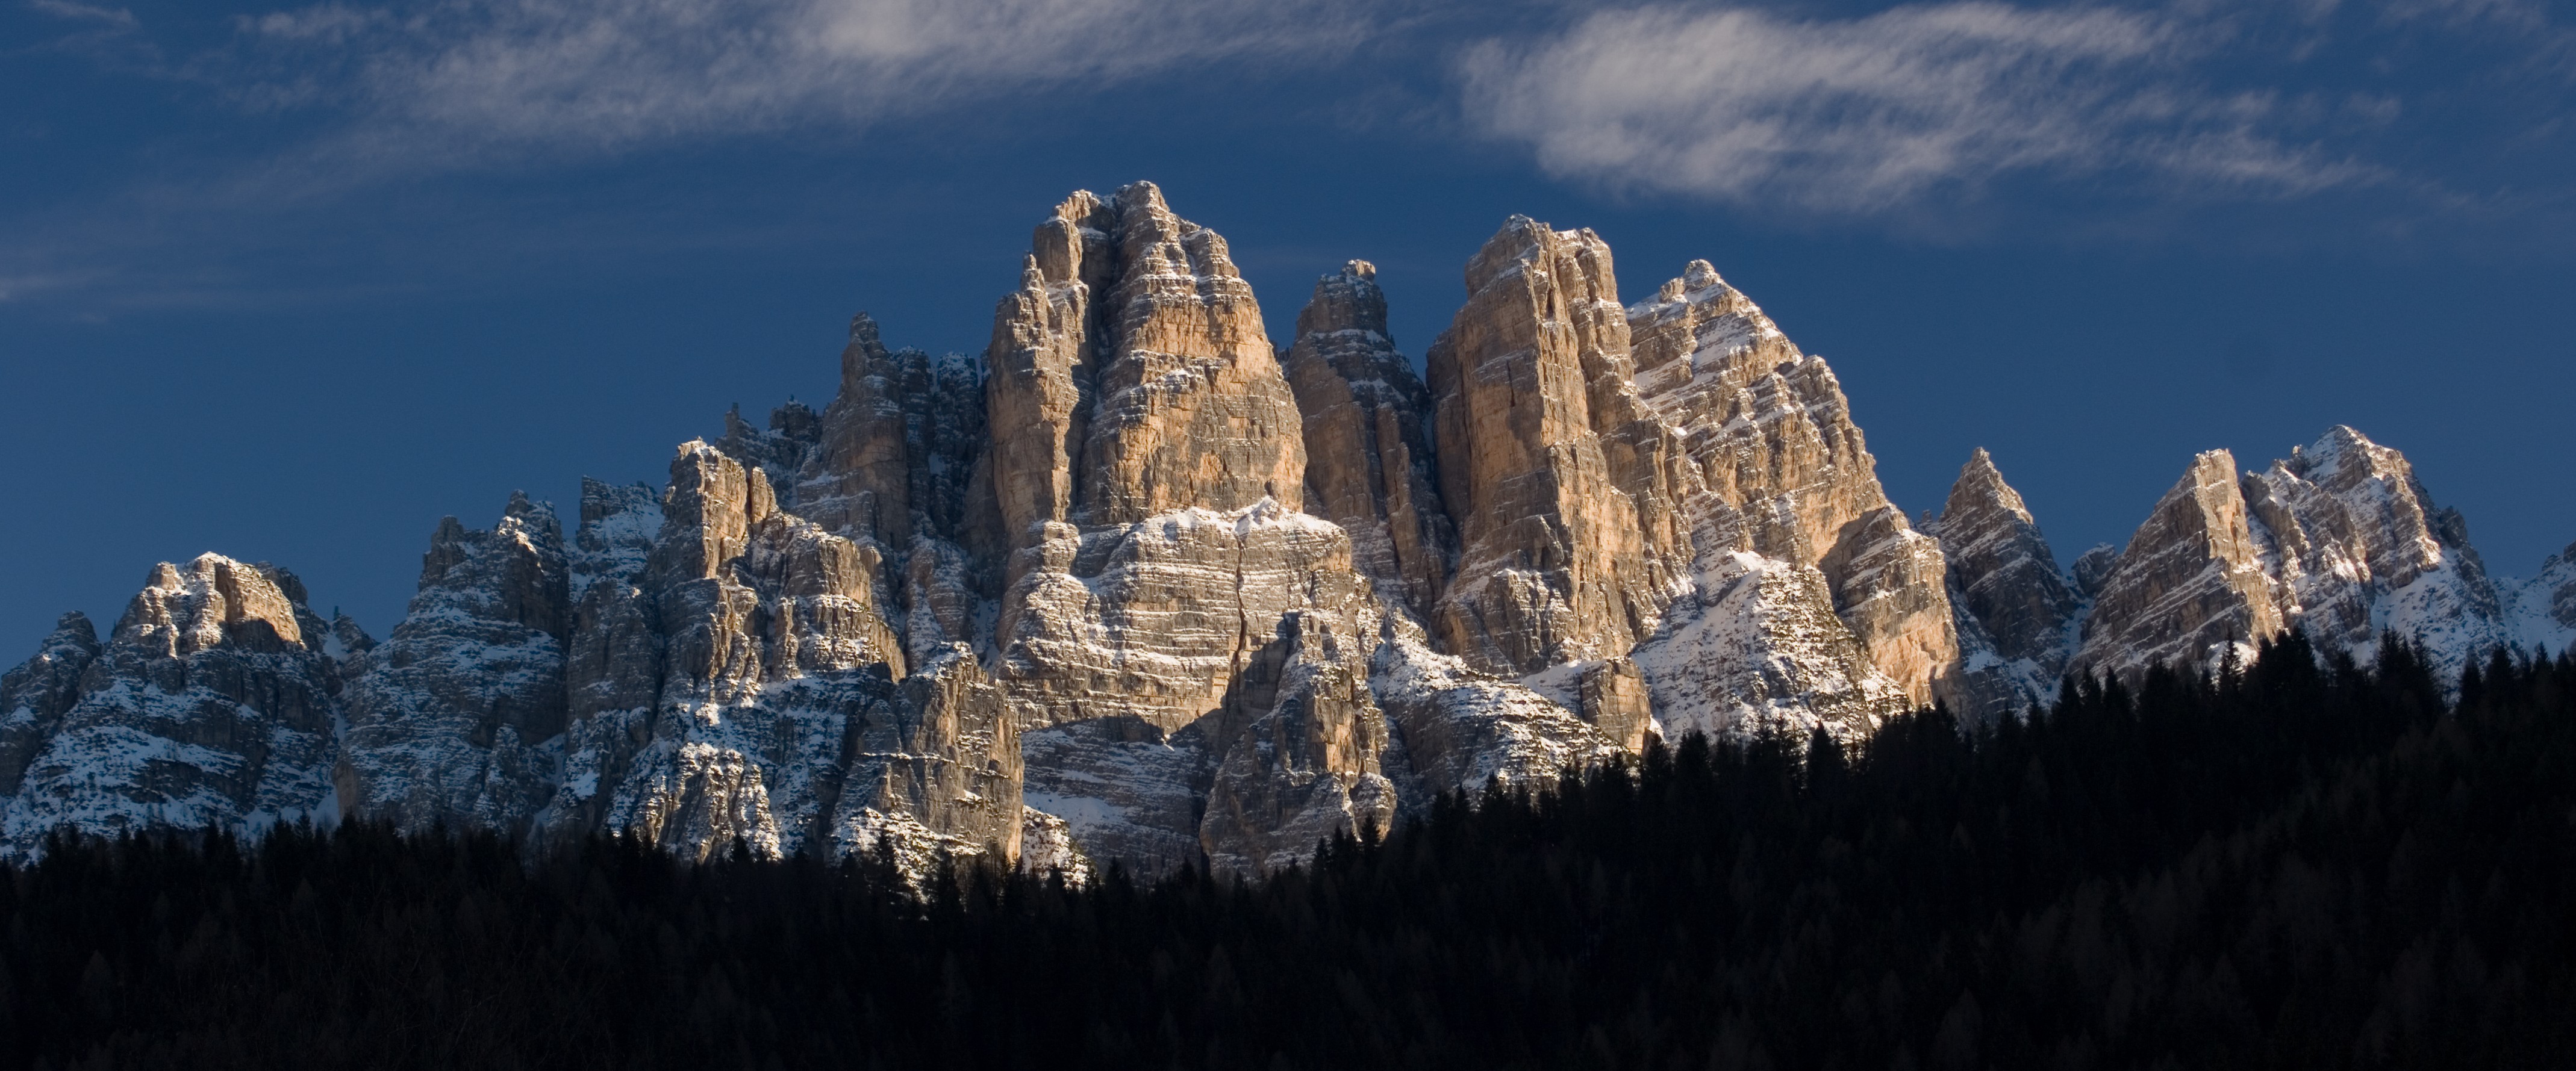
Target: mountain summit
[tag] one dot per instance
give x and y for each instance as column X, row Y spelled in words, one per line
column 1142, row 584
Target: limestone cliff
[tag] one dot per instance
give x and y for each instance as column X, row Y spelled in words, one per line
column 2014, row 602
column 1369, row 461
column 1533, row 392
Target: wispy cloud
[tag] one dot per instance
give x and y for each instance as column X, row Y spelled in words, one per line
column 113, row 17
column 516, row 76
column 1866, row 114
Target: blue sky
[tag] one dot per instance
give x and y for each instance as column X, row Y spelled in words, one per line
column 292, row 282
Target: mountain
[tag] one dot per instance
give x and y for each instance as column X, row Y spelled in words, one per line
column 1141, row 583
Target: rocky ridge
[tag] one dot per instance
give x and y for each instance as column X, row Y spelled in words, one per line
column 1139, row 585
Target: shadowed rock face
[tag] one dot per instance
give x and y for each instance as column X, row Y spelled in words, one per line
column 210, row 704
column 35, row 695
column 2016, row 607
column 447, row 720
column 1369, row 464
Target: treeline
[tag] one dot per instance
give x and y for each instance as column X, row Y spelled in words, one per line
column 2302, row 864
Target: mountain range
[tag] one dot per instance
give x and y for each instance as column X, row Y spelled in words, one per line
column 1141, row 583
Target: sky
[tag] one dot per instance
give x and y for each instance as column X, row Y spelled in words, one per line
column 290, row 283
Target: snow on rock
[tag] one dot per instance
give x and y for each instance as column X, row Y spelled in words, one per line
column 1759, row 648
column 2019, row 615
column 211, row 704
column 2339, row 539
column 2542, row 615
column 449, row 719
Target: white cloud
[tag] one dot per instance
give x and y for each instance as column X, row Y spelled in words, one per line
column 112, row 17
column 586, row 75
column 1868, row 114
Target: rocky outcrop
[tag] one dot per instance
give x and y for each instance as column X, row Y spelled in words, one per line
column 1786, row 474
column 1759, row 648
column 1137, row 586
column 2004, row 569
column 449, row 720
column 1369, row 462
column 2355, row 544
column 2189, row 586
column 2020, row 610
column 1559, row 558
column 1149, row 465
column 211, row 704
column 2091, row 568
column 2543, row 615
column 934, row 764
column 35, row 695
column 769, row 640
column 1308, row 761
column 1130, row 375
column 2338, row 539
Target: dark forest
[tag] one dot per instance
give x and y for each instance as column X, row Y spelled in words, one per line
column 2299, row 863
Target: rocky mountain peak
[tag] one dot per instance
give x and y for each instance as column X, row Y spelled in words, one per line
column 2190, row 583
column 215, row 601
column 2005, row 579
column 1367, row 430
column 1135, row 584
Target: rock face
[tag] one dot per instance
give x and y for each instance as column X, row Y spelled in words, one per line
column 2189, row 585
column 2543, row 616
column 1369, row 461
column 449, row 718
column 210, row 704
column 1178, row 643
column 1786, row 472
column 2014, row 604
column 2338, row 539
column 35, row 696
column 1533, row 392
column 1137, row 586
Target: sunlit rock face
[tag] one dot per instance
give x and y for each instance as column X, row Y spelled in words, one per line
column 1533, row 397
column 2339, row 540
column 1136, row 585
column 210, row 705
column 1367, row 425
column 1787, row 475
column 1178, row 642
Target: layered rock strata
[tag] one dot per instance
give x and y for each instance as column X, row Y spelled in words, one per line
column 1175, row 634
column 1367, row 428
column 2339, row 540
column 2018, row 613
column 1787, row 474
column 1533, row 396
column 1137, row 586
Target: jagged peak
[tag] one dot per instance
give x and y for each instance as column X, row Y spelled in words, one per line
column 1981, row 485
column 1348, row 300
column 214, row 601
column 73, row 629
